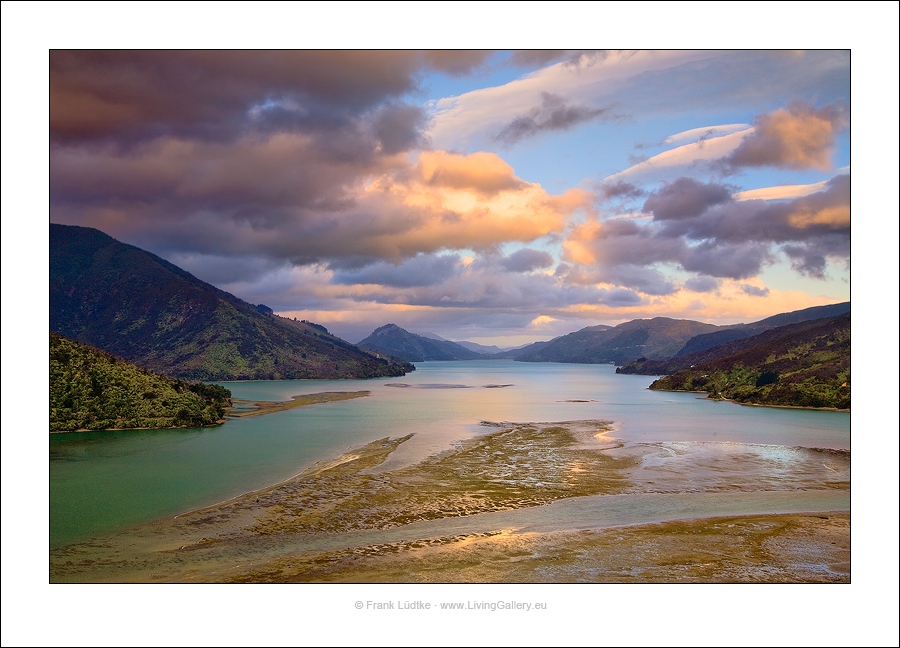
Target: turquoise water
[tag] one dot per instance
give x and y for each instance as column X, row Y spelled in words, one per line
column 104, row 481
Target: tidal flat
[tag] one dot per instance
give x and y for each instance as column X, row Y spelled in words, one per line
column 521, row 502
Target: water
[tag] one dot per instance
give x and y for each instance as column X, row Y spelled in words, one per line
column 106, row 481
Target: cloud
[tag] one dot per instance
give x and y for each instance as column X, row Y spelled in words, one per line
column 537, row 58
column 421, row 270
column 782, row 192
column 705, row 132
column 616, row 189
column 647, row 280
column 825, row 213
column 754, row 291
column 484, row 172
column 526, row 260
column 703, row 152
column 293, row 198
column 130, row 96
column 647, row 83
column 589, row 79
column 620, row 297
column 685, row 198
column 702, row 284
column 306, row 180
column 456, row 62
column 554, row 114
column 797, row 137
column 699, row 228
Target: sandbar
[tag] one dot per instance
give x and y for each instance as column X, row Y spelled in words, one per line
column 267, row 407
column 523, row 502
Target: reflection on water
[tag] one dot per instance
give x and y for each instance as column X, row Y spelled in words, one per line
column 107, row 480
column 705, row 467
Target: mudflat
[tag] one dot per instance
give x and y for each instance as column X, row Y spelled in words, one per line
column 523, row 502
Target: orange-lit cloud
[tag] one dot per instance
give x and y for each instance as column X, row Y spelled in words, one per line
column 798, row 137
column 287, row 197
column 320, row 183
column 483, row 172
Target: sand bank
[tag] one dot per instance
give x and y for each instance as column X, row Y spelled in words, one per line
column 267, row 407
column 554, row 496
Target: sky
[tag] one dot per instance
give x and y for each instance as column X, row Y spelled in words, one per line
column 538, row 191
column 496, row 196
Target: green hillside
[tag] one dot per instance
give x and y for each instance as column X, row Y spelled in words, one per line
column 94, row 390
column 140, row 307
column 801, row 365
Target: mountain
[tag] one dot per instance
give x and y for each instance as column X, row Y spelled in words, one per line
column 660, row 337
column 393, row 340
column 481, row 348
column 148, row 311
column 432, row 336
column 804, row 365
column 94, row 390
column 741, row 331
column 526, row 349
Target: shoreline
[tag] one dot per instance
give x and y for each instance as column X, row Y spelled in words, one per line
column 300, row 400
column 729, row 400
column 219, row 422
column 262, row 407
column 538, row 488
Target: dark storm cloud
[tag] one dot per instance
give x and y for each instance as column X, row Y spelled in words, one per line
column 685, row 198
column 131, row 96
column 702, row 284
column 255, row 181
column 210, row 152
column 421, row 270
column 295, row 156
column 554, row 114
column 526, row 260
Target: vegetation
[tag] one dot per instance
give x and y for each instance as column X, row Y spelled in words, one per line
column 741, row 331
column 94, row 390
column 394, row 341
column 802, row 365
column 135, row 305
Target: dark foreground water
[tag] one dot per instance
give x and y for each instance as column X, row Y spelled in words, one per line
column 105, row 481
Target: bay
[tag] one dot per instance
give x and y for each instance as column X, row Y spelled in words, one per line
column 106, row 481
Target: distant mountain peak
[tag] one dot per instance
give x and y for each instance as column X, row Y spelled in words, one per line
column 395, row 341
